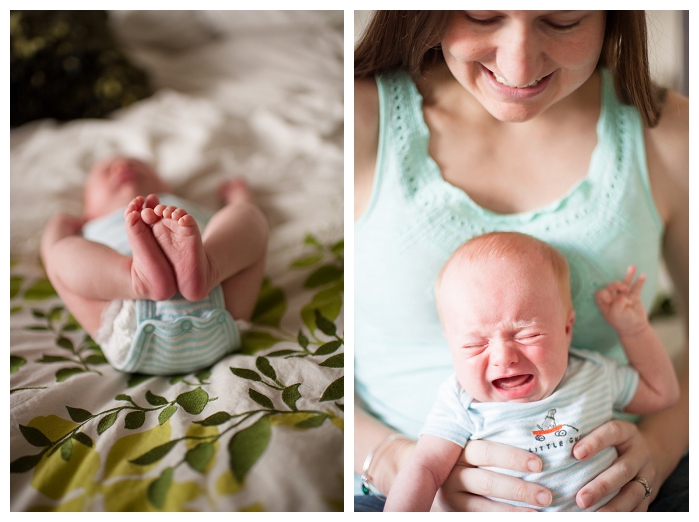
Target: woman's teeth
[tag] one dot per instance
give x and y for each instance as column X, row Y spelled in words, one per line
column 503, row 81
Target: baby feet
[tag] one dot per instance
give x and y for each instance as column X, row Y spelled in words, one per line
column 151, row 274
column 178, row 237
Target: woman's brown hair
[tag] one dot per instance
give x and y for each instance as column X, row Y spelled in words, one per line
column 411, row 41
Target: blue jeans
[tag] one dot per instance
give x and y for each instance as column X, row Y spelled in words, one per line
column 673, row 495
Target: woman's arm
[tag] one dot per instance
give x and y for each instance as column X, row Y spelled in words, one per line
column 388, row 459
column 366, row 141
column 653, row 449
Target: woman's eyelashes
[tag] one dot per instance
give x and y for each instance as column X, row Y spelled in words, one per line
column 557, row 25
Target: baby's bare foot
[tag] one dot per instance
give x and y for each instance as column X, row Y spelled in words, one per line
column 151, row 274
column 236, row 190
column 179, row 238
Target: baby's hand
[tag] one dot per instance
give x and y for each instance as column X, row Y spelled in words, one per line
column 621, row 306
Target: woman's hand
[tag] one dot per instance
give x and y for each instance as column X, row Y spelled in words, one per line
column 467, row 486
column 634, row 461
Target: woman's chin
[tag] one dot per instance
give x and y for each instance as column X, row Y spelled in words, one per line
column 512, row 112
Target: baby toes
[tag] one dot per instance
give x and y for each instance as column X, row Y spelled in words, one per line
column 149, row 216
column 178, row 213
column 152, row 201
column 135, row 205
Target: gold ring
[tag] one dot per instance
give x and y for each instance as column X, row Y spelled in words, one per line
column 644, row 483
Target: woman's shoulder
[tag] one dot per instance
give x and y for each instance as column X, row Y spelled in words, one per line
column 667, row 151
column 366, row 140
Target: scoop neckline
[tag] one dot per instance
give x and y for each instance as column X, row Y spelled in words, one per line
column 460, row 195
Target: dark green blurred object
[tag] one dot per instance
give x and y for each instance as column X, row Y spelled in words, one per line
column 66, row 65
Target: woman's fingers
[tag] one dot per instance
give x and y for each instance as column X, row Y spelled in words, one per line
column 633, row 461
column 487, row 453
column 461, row 501
column 610, row 433
column 488, row 483
column 630, row 498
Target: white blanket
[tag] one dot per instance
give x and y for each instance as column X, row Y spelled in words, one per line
column 252, row 93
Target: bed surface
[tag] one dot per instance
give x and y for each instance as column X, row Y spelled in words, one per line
column 253, row 93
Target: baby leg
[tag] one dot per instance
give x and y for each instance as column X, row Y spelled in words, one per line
column 87, row 274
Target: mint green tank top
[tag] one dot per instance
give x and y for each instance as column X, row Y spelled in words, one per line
column 415, row 220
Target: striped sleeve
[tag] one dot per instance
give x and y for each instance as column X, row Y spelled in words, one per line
column 449, row 417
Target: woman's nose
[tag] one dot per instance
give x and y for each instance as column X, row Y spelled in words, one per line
column 520, row 56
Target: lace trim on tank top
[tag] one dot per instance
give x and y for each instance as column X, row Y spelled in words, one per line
column 448, row 215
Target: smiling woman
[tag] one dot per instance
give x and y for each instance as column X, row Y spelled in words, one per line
column 518, row 65
column 545, row 123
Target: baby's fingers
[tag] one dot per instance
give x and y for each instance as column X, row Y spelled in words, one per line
column 636, row 288
column 630, row 273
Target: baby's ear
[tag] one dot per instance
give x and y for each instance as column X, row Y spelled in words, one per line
column 570, row 322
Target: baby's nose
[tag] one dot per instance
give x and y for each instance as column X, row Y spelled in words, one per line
column 503, row 353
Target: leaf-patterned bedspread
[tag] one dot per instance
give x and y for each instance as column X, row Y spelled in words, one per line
column 260, row 430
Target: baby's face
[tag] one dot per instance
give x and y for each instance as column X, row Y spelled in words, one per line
column 507, row 329
column 114, row 182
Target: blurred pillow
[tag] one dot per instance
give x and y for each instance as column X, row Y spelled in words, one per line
column 66, row 65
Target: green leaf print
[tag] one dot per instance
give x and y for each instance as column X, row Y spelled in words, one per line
column 307, row 261
column 193, row 401
column 79, row 415
column 335, row 391
column 325, row 326
column 83, row 439
column 302, row 340
column 290, row 395
column 66, row 373
column 336, row 361
column 24, row 464
column 261, row 399
column 16, row 363
column 34, row 436
column 200, row 456
column 270, row 306
column 15, row 285
column 265, row 368
column 254, row 342
column 134, row 420
column 311, row 240
column 312, row 422
column 157, row 491
column 155, row 400
column 166, row 414
column 40, row 290
column 214, row 420
column 154, row 455
column 244, row 373
column 53, row 359
column 65, row 343
column 324, row 275
column 328, row 302
column 67, row 450
column 328, row 348
column 338, row 248
column 106, row 422
column 247, row 446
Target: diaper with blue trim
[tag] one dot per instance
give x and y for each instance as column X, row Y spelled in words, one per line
column 168, row 337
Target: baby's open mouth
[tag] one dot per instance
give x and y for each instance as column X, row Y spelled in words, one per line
column 507, row 383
